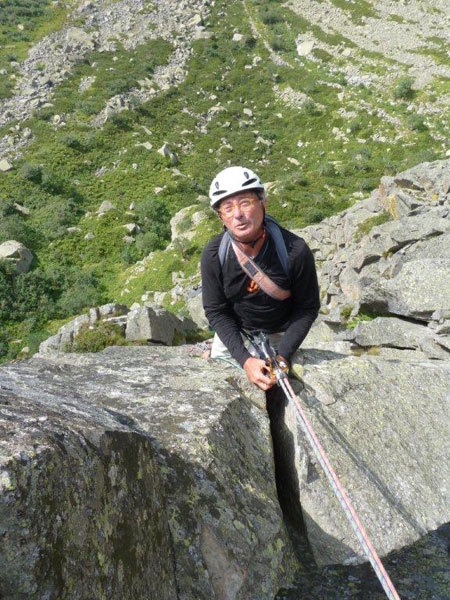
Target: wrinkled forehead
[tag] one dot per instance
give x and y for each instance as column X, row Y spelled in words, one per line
column 240, row 196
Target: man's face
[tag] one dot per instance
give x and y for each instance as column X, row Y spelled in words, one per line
column 242, row 214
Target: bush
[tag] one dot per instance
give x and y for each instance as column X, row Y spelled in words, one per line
column 57, row 216
column 53, row 183
column 14, row 227
column 98, row 337
column 148, row 242
column 417, row 123
column 153, row 217
column 123, row 120
column 25, row 294
column 76, row 142
column 82, row 292
column 271, row 17
column 31, row 172
column 403, row 90
column 130, row 254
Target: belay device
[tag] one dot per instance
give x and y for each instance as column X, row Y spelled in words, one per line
column 260, row 342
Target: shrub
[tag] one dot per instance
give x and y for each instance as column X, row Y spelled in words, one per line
column 130, row 254
column 25, row 294
column 154, row 219
column 76, row 142
column 123, row 120
column 84, row 291
column 14, row 227
column 148, row 242
column 270, row 17
column 57, row 216
column 52, row 182
column 403, row 90
column 417, row 123
column 121, row 86
column 94, row 338
column 31, row 172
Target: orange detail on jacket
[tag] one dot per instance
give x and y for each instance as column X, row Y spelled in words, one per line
column 252, row 286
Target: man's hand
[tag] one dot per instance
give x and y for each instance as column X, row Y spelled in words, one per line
column 258, row 373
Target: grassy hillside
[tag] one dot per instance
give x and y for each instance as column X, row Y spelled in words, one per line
column 320, row 139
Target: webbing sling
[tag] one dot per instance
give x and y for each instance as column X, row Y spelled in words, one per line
column 252, row 269
column 258, row 276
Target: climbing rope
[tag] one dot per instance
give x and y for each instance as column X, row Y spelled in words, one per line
column 268, row 354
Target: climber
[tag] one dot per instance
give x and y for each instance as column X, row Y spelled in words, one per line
column 256, row 275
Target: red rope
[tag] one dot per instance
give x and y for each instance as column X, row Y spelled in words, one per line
column 339, row 491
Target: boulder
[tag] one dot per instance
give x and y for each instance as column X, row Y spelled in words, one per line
column 105, row 206
column 416, row 291
column 136, row 473
column 167, row 152
column 194, row 306
column 5, row 165
column 154, row 323
column 17, row 254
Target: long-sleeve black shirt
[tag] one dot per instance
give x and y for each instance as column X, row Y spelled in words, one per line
column 230, row 306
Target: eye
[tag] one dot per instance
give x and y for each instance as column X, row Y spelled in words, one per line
column 245, row 204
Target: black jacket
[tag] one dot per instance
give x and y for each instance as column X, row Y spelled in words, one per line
column 231, row 306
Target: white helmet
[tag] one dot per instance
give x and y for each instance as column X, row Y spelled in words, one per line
column 233, row 180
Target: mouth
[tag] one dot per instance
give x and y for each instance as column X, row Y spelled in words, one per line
column 241, row 225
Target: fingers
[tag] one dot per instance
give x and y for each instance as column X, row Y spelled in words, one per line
column 258, row 374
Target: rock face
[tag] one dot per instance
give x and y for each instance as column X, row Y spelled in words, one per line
column 389, row 254
column 136, row 473
column 377, row 394
column 381, row 422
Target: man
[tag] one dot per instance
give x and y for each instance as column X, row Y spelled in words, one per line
column 234, row 301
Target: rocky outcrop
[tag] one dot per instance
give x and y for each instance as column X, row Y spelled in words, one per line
column 137, row 473
column 377, row 393
column 140, row 323
column 381, row 421
column 390, row 254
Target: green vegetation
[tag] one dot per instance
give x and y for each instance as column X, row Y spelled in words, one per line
column 22, row 23
column 81, row 155
column 404, row 90
column 94, row 338
column 366, row 226
column 357, row 10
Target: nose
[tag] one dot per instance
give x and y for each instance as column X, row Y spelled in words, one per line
column 237, row 206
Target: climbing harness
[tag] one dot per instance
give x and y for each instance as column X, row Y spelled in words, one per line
column 267, row 353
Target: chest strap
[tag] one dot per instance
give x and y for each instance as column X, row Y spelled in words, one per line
column 254, row 272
